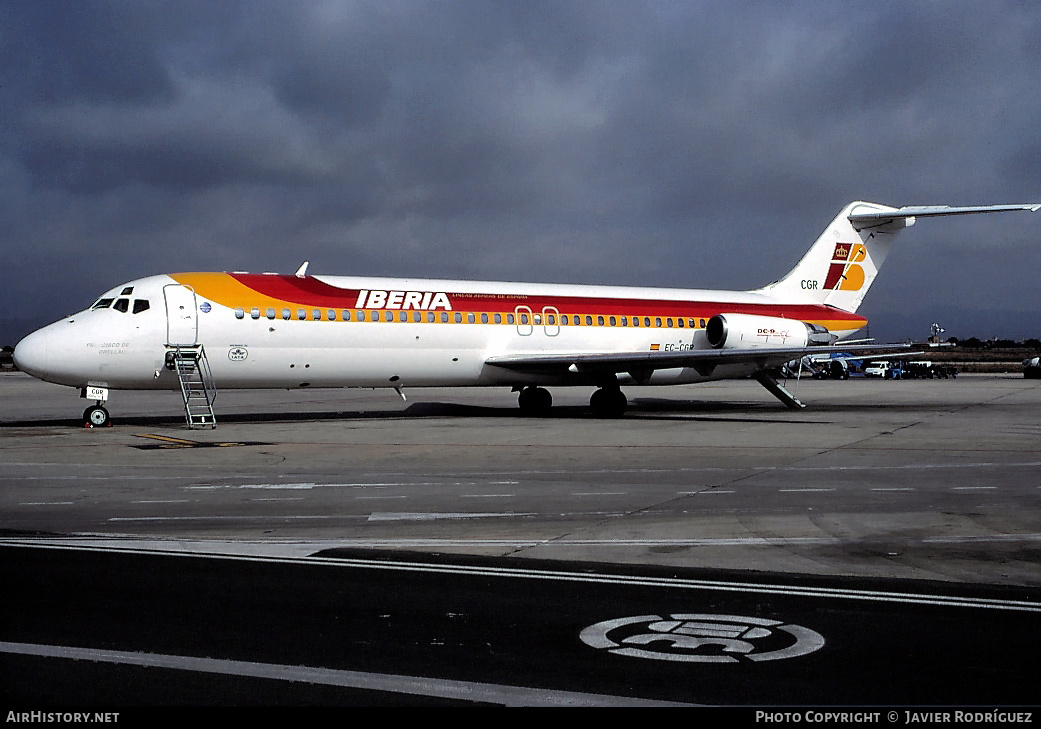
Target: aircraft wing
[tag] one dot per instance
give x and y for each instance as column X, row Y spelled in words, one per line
column 641, row 364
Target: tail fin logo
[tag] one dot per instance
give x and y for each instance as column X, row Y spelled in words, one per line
column 845, row 272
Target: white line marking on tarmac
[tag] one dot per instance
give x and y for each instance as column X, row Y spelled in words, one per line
column 554, row 575
column 431, row 516
column 414, row 685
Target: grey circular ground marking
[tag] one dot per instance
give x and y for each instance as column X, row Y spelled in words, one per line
column 697, row 638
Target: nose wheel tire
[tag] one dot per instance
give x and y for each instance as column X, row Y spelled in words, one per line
column 96, row 417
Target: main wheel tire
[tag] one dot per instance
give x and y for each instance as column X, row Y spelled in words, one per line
column 608, row 403
column 96, row 417
column 535, row 401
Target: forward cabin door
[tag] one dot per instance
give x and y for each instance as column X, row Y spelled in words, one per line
column 182, row 316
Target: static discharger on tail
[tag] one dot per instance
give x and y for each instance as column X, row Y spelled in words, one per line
column 196, row 332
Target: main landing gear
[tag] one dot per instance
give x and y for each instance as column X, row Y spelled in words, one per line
column 535, row 401
column 607, row 402
column 96, row 416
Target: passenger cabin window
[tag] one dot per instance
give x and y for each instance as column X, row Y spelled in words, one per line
column 122, row 305
column 102, row 304
column 240, row 313
column 346, row 315
column 301, row 314
column 589, row 321
column 510, row 319
column 270, row 313
column 255, row 313
column 331, row 314
column 287, row 314
column 140, row 305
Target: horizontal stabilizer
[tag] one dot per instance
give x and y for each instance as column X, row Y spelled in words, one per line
column 904, row 217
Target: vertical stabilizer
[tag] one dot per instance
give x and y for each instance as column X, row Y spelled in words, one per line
column 840, row 267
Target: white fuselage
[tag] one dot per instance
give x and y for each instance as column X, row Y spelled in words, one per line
column 260, row 338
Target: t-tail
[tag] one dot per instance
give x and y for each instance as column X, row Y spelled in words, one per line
column 840, row 267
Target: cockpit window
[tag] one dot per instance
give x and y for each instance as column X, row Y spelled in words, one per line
column 121, row 305
column 102, row 304
column 127, row 291
column 140, row 305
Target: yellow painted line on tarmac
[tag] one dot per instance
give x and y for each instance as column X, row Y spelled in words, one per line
column 168, row 441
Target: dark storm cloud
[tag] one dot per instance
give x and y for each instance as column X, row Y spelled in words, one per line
column 681, row 144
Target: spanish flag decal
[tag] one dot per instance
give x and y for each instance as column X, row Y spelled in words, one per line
column 655, row 347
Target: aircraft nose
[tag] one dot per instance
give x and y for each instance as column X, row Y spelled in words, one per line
column 30, row 354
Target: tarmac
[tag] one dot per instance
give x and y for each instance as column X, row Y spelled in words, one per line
column 918, row 480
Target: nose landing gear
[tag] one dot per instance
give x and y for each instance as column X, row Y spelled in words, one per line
column 96, row 416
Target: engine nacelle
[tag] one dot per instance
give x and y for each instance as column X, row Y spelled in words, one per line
column 747, row 331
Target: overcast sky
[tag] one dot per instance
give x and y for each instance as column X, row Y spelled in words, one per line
column 700, row 144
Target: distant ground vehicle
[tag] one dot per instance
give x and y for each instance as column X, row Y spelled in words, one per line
column 836, row 369
column 1032, row 368
column 885, row 369
column 928, row 370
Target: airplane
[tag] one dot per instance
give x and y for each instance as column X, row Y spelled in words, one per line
column 196, row 331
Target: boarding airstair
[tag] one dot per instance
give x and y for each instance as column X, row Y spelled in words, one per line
column 197, row 387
